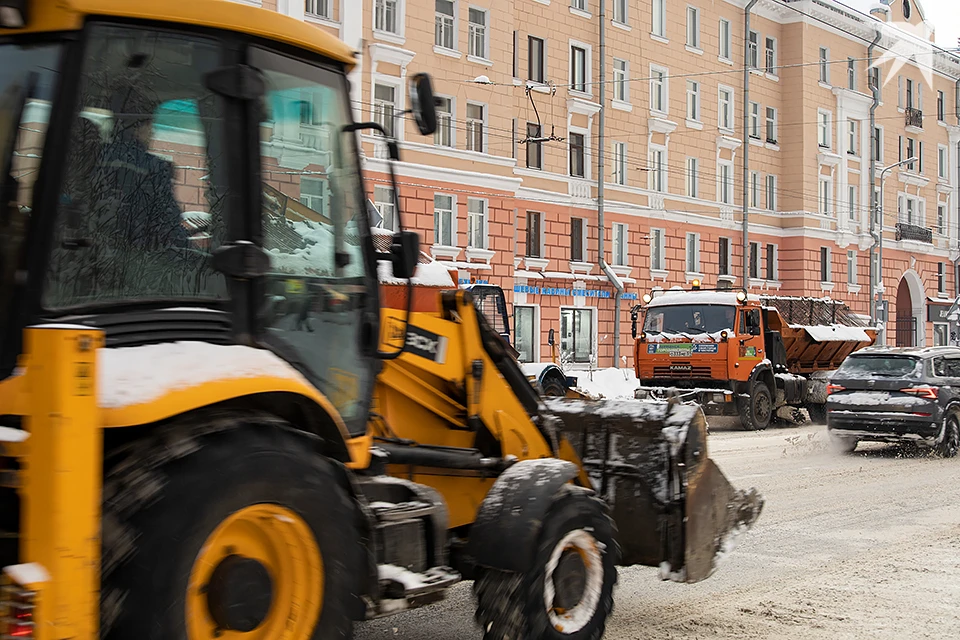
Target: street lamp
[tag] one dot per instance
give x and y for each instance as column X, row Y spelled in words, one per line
column 876, row 295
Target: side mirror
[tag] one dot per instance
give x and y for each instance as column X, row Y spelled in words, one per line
column 552, row 338
column 404, row 253
column 423, row 104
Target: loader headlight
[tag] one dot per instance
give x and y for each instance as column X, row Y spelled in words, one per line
column 741, row 296
column 724, row 335
column 13, row 14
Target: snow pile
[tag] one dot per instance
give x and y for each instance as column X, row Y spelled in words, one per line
column 176, row 366
column 317, row 257
column 671, row 298
column 608, row 383
column 834, row 332
column 430, row 274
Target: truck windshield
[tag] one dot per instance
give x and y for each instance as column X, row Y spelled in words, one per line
column 690, row 319
column 879, row 367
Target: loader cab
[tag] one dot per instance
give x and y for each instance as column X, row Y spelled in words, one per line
column 176, row 183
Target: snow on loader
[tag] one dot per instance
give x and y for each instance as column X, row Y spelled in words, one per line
column 216, row 423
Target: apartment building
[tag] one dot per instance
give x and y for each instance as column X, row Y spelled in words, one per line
column 507, row 190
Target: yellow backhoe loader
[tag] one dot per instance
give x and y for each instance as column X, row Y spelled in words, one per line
column 225, row 414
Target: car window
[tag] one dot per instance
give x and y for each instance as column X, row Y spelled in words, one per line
column 939, row 368
column 884, row 366
column 951, row 367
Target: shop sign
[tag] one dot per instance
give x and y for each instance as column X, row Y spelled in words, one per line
column 563, row 291
column 469, row 281
column 937, row 312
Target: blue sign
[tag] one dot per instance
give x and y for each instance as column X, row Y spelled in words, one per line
column 469, row 281
column 563, row 291
column 628, row 296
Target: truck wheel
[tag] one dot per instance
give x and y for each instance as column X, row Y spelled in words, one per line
column 552, row 386
column 248, row 535
column 568, row 592
column 757, row 410
column 818, row 413
column 948, row 442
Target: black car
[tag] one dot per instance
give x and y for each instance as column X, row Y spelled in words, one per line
column 885, row 394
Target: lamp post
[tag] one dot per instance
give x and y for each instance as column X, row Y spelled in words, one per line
column 876, row 295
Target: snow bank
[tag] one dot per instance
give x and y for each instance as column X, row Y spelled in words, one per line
column 834, row 332
column 430, row 274
column 671, row 298
column 607, row 383
column 175, row 366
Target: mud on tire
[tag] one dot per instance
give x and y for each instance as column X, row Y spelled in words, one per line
column 513, row 606
column 166, row 494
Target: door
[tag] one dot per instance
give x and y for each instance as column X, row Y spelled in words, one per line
column 749, row 342
column 321, row 300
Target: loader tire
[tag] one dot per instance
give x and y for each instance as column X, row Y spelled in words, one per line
column 757, row 410
column 246, row 532
column 554, row 387
column 948, row 441
column 575, row 561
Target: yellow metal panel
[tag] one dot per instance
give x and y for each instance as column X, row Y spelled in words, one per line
column 68, row 15
column 62, row 478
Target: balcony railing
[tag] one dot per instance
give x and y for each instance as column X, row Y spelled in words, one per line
column 907, row 231
column 914, row 117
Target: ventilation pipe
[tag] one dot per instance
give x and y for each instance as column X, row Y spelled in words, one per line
column 601, row 168
column 875, row 90
column 746, row 141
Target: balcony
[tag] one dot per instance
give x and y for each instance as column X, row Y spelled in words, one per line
column 907, row 231
column 914, row 117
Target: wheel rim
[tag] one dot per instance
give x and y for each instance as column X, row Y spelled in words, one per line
column 761, row 407
column 258, row 576
column 573, row 582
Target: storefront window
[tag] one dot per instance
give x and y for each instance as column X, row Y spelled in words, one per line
column 526, row 332
column 576, row 334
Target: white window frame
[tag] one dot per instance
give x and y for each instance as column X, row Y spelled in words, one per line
column 581, row 223
column 725, row 183
column 774, row 273
column 468, row 123
column 853, row 137
column 657, row 71
column 621, row 12
column 400, row 10
column 541, row 232
column 825, row 196
column 620, row 239
column 579, row 5
column 586, row 152
column 753, row 261
column 484, row 56
column 754, row 189
column 437, row 232
column 657, row 168
column 851, row 267
column 658, row 18
column 693, row 27
column 824, row 65
column 620, row 163
column 691, row 260
column 770, row 189
column 729, row 256
column 753, row 50
column 312, row 9
column 879, row 157
column 943, row 162
column 450, row 119
column 621, row 88
column 693, row 100
column 941, row 217
column 824, row 124
column 772, row 134
column 484, row 216
column 693, row 177
column 543, row 61
column 729, row 111
column 725, row 41
column 383, row 198
column 658, row 249
column 770, row 56
column 396, row 125
column 587, row 67
column 754, row 120
column 852, row 74
column 439, row 29
column 592, row 356
column 853, row 199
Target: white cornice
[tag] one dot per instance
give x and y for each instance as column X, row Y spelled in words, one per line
column 583, row 107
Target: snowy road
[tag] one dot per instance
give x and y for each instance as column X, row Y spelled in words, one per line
column 859, row 546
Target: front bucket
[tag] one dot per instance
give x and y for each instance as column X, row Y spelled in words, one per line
column 673, row 506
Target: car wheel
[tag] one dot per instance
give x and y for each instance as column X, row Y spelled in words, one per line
column 948, row 442
column 842, row 444
column 757, row 410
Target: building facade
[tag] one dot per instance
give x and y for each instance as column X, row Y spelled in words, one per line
column 507, row 190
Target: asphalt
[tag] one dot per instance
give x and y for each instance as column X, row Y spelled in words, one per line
column 848, row 546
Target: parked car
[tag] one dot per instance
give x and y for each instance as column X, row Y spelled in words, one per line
column 886, row 394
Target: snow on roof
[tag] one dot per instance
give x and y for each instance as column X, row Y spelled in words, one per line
column 671, row 298
column 430, row 274
column 178, row 365
column 835, row 332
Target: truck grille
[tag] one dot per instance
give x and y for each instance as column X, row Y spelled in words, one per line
column 682, row 371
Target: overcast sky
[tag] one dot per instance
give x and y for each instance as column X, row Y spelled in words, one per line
column 944, row 15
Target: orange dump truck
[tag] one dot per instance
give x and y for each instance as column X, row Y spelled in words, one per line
column 756, row 357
